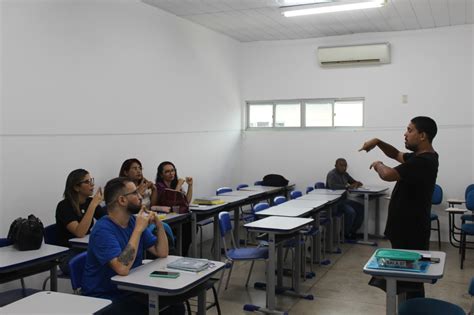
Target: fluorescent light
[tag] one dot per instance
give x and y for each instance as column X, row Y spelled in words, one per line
column 313, row 9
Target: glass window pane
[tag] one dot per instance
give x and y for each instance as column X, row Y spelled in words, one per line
column 318, row 115
column 261, row 116
column 348, row 113
column 288, row 115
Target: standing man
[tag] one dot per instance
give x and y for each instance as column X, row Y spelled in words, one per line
column 338, row 178
column 116, row 246
column 408, row 223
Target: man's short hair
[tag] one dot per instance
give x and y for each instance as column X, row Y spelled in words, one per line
column 114, row 188
column 340, row 160
column 426, row 125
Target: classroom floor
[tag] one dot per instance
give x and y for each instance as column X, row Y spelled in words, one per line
column 341, row 287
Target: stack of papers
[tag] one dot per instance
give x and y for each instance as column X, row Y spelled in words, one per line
column 189, row 264
column 208, row 201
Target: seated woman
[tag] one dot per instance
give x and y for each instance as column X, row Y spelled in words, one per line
column 133, row 170
column 75, row 213
column 167, row 178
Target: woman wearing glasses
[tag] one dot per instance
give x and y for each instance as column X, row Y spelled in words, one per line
column 75, row 213
column 133, row 170
column 167, row 178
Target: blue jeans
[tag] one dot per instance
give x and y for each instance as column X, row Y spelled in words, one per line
column 353, row 215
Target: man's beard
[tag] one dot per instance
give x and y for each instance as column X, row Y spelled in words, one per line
column 134, row 209
column 412, row 148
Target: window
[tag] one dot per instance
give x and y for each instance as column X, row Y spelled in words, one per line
column 315, row 113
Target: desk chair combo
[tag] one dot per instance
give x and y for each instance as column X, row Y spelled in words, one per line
column 237, row 254
column 50, row 237
column 11, row 296
column 436, row 199
column 339, row 228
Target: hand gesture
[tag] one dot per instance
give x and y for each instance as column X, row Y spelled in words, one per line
column 142, row 220
column 98, row 197
column 189, row 181
column 180, row 182
column 369, row 145
column 374, row 164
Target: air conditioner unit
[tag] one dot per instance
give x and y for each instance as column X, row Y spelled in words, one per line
column 354, row 55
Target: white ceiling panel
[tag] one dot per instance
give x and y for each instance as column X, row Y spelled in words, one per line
column 256, row 20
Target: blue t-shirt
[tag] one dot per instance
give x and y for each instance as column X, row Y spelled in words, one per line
column 106, row 242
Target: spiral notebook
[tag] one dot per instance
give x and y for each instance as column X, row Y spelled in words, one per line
column 189, row 264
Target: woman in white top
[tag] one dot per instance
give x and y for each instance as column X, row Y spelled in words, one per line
column 132, row 169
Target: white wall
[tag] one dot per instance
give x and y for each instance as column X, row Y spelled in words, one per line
column 433, row 67
column 90, row 83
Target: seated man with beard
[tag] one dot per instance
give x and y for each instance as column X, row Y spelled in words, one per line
column 116, row 246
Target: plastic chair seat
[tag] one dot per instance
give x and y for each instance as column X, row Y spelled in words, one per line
column 247, row 253
column 433, row 216
column 468, row 228
column 429, row 306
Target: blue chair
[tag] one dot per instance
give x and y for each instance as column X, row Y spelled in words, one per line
column 258, row 183
column 222, row 190
column 308, row 189
column 436, row 199
column 76, row 268
column 468, row 217
column 256, row 208
column 241, row 186
column 295, row 194
column 466, row 228
column 433, row 306
column 320, row 185
column 279, row 200
column 238, row 254
column 51, row 238
column 11, row 296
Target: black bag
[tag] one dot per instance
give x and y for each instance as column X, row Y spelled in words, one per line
column 274, row 180
column 26, row 234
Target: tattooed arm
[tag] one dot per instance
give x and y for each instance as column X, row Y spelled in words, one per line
column 123, row 263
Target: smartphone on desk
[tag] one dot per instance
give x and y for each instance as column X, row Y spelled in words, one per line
column 164, row 274
column 433, row 260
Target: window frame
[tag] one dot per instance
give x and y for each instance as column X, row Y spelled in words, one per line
column 302, row 104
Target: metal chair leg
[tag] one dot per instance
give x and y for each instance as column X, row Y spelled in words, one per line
column 228, row 276
column 188, row 307
column 439, row 235
column 248, row 276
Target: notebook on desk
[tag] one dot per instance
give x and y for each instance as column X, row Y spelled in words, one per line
column 189, row 264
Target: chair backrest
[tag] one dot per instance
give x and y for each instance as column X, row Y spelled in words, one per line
column 279, row 200
column 5, row 242
column 242, row 186
column 260, row 206
column 437, row 197
column 76, row 268
column 222, row 190
column 468, row 190
column 320, row 185
column 50, row 234
column 309, row 188
column 470, row 201
column 225, row 225
column 295, row 194
column 258, row 183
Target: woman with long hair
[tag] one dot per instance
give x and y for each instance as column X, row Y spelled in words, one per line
column 75, row 213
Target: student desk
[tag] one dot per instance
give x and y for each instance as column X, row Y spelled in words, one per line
column 15, row 264
column 275, row 225
column 434, row 272
column 271, row 190
column 200, row 212
column 173, row 219
column 139, row 280
column 47, row 302
column 300, row 208
column 337, row 192
column 369, row 192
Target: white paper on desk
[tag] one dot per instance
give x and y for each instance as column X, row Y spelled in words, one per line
column 427, row 256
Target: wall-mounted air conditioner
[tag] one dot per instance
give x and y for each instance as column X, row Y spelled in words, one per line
column 354, row 55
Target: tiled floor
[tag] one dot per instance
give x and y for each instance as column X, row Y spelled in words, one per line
column 341, row 287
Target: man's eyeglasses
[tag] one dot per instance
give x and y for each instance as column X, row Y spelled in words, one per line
column 89, row 181
column 135, row 192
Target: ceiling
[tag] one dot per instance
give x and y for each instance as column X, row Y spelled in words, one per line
column 259, row 20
